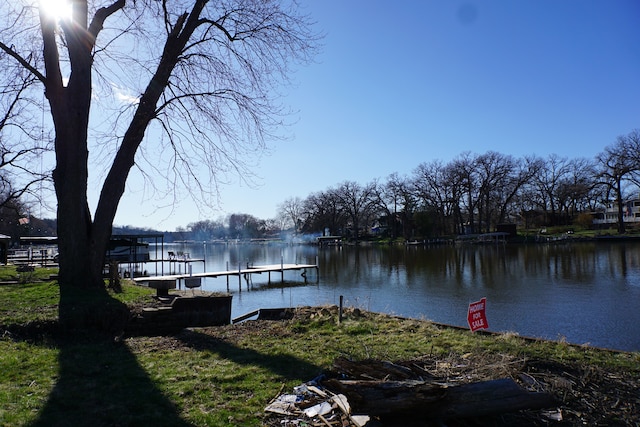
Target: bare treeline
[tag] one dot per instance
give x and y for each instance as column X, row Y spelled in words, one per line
column 475, row 192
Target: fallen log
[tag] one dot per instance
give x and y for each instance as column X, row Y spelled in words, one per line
column 438, row 401
column 381, row 397
column 492, row 397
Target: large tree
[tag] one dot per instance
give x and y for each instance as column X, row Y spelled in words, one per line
column 200, row 76
column 323, row 213
column 436, row 190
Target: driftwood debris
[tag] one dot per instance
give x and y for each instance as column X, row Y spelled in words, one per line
column 378, row 370
column 426, row 391
column 379, row 397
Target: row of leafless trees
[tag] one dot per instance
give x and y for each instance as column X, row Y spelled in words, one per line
column 234, row 226
column 474, row 193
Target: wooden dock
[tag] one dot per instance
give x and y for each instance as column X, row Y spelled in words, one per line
column 168, row 281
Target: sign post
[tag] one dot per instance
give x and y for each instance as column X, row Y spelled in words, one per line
column 477, row 317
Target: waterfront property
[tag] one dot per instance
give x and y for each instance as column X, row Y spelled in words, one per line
column 630, row 213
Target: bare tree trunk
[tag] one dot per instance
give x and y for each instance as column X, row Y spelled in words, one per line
column 70, row 109
column 621, row 227
column 82, row 253
column 84, row 303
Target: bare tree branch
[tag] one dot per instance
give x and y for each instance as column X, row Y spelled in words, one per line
column 22, row 61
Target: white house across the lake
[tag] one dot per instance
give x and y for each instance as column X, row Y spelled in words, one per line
column 630, row 213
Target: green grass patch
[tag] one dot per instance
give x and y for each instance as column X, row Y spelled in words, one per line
column 28, row 302
column 9, row 273
column 27, row 376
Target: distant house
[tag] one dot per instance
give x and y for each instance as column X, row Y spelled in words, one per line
column 630, row 213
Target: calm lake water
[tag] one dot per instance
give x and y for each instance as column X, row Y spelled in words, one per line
column 579, row 292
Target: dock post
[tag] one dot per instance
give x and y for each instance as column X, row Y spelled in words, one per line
column 340, row 310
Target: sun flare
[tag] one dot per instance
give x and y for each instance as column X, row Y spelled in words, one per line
column 58, row 9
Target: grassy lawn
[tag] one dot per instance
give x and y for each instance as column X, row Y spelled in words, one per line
column 220, row 375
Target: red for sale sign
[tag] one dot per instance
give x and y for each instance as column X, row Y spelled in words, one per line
column 477, row 316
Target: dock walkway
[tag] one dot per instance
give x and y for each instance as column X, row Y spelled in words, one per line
column 275, row 268
column 168, row 281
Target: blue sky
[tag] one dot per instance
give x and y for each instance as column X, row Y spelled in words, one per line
column 405, row 82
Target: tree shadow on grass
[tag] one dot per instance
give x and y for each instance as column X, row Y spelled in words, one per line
column 283, row 365
column 99, row 380
column 101, row 384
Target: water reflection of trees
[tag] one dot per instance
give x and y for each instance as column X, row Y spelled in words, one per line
column 490, row 266
column 472, row 266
